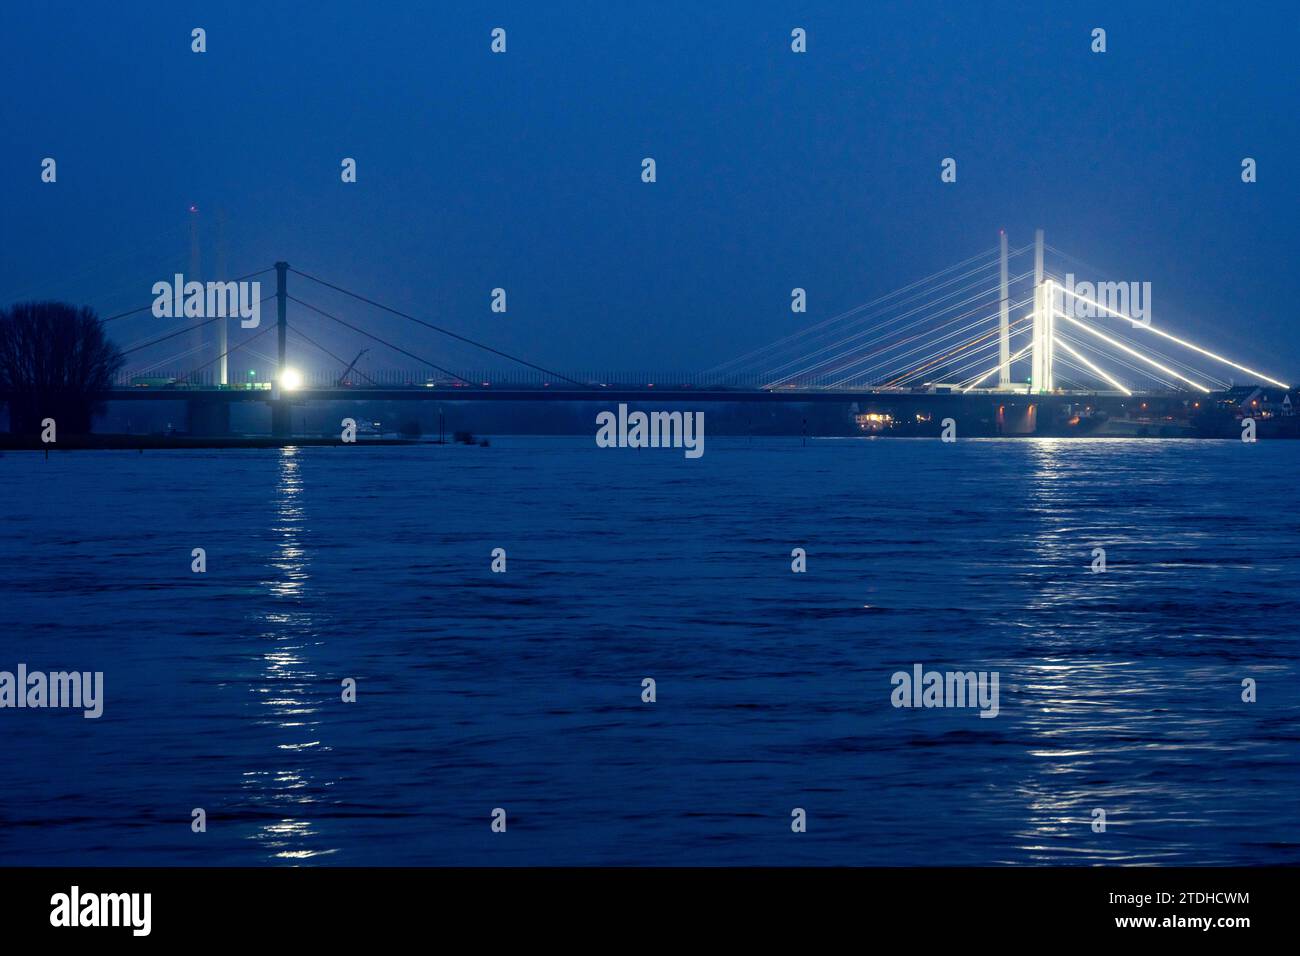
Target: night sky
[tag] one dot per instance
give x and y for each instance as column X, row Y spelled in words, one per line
column 775, row 170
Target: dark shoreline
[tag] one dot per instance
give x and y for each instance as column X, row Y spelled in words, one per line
column 196, row 443
column 153, row 442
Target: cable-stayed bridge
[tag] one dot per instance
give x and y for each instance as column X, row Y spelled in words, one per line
column 1008, row 322
column 1029, row 332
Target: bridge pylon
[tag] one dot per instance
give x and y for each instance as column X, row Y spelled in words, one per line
column 1004, row 324
column 1042, row 358
column 281, row 423
column 281, row 320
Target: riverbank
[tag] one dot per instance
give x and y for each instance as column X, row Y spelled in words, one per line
column 141, row 442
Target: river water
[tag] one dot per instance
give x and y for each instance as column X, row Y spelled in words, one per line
column 1119, row 690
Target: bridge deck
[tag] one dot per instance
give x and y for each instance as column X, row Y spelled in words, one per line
column 568, row 394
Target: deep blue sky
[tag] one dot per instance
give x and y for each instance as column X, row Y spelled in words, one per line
column 775, row 169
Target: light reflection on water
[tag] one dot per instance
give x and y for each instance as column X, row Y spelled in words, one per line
column 286, row 688
column 1061, row 693
column 1085, row 719
column 1119, row 691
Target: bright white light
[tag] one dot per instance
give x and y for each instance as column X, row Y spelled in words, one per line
column 995, row 368
column 1133, row 352
column 291, row 379
column 1096, row 371
column 1172, row 338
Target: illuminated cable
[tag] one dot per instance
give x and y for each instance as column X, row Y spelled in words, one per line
column 1173, row 338
column 1093, row 368
column 1124, row 348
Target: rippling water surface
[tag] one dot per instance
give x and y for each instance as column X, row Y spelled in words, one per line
column 522, row 690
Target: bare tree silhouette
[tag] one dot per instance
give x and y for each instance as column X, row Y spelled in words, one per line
column 55, row 362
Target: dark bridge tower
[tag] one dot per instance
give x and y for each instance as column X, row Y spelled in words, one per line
column 281, row 426
column 281, row 323
column 198, row 338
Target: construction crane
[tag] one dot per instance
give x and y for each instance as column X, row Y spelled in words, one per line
column 351, row 365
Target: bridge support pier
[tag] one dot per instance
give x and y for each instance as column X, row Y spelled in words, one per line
column 1016, row 418
column 207, row 419
column 281, row 418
